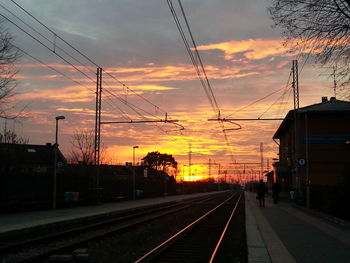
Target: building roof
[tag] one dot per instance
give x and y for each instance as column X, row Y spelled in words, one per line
column 28, row 153
column 326, row 106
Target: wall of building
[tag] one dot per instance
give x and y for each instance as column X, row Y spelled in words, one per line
column 322, row 143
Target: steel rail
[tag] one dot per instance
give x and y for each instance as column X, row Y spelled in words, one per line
column 166, row 242
column 7, row 249
column 118, row 218
column 224, row 231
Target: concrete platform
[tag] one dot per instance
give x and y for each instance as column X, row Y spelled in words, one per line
column 275, row 233
column 283, row 233
column 24, row 220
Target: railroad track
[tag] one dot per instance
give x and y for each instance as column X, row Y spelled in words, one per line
column 39, row 249
column 201, row 240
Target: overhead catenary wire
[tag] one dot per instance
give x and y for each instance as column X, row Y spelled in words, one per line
column 256, row 101
column 56, row 47
column 92, row 80
column 85, row 56
column 109, row 93
column 56, row 36
column 44, row 45
column 200, row 60
column 199, row 67
column 190, row 53
column 110, row 102
column 134, row 109
column 279, row 98
column 115, row 106
column 54, row 44
column 131, row 90
column 52, row 68
column 300, row 52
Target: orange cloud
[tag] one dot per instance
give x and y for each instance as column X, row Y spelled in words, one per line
column 84, row 111
column 154, row 74
column 152, row 87
column 251, row 48
column 67, row 94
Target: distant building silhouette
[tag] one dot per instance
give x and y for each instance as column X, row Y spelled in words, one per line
column 29, row 158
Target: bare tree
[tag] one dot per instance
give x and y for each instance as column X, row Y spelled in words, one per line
column 9, row 54
column 83, row 147
column 83, row 150
column 320, row 27
column 12, row 137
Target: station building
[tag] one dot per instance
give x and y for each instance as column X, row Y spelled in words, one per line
column 314, row 146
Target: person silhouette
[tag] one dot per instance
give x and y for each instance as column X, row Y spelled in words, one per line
column 261, row 193
column 275, row 191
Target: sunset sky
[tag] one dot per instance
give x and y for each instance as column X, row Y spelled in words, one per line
column 138, row 43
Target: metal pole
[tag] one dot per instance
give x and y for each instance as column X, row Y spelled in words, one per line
column 97, row 144
column 209, row 170
column 183, row 178
column 133, row 173
column 261, row 160
column 54, row 168
column 189, row 161
column 219, row 178
column 295, row 117
column 56, row 134
column 54, row 191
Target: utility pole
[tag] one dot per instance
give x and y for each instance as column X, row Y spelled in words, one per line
column 189, row 161
column 183, row 179
column 97, row 144
column 209, row 171
column 133, row 173
column 262, row 160
column 334, row 81
column 98, row 116
column 295, row 85
column 55, row 162
column 219, row 177
column 244, row 176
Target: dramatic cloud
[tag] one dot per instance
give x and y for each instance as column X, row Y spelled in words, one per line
column 250, row 49
column 148, row 75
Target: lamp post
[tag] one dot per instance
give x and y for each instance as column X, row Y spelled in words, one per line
column 133, row 172
column 55, row 162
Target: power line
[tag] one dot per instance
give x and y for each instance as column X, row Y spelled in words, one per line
column 110, row 102
column 129, row 89
column 55, row 46
column 44, row 45
column 278, row 99
column 83, row 55
column 200, row 60
column 190, row 53
column 108, row 95
column 52, row 68
column 79, row 52
column 200, row 70
column 133, row 108
column 250, row 104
